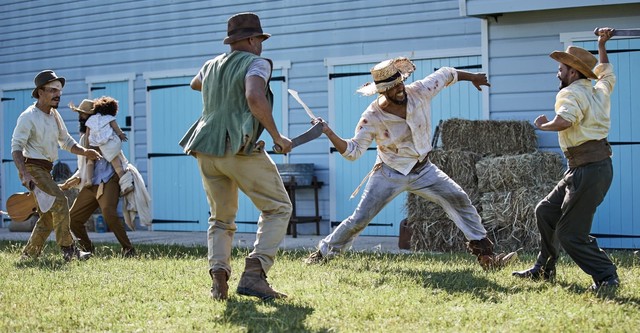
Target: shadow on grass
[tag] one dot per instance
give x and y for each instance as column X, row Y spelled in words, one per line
column 459, row 281
column 270, row 316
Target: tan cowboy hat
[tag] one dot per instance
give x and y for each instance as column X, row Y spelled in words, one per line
column 387, row 75
column 86, row 107
column 242, row 26
column 43, row 78
column 577, row 58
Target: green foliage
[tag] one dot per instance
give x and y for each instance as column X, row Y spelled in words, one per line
column 166, row 289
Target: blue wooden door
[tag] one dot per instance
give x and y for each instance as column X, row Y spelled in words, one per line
column 618, row 217
column 247, row 217
column 119, row 91
column 179, row 202
column 460, row 101
column 13, row 103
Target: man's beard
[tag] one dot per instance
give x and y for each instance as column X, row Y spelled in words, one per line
column 398, row 102
column 562, row 84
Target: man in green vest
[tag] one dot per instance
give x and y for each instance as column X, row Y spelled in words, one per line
column 237, row 106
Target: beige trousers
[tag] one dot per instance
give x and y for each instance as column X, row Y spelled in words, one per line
column 56, row 219
column 256, row 176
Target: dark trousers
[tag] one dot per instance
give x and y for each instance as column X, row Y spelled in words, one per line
column 86, row 203
column 565, row 217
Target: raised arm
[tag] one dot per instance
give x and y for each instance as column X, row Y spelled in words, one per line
column 477, row 79
column 604, row 34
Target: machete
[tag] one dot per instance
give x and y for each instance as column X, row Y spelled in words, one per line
column 306, row 108
column 312, row 133
column 620, row 32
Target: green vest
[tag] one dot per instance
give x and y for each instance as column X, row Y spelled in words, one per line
column 225, row 110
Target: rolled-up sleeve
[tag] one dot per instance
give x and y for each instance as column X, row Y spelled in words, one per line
column 606, row 78
column 364, row 136
column 567, row 106
column 431, row 85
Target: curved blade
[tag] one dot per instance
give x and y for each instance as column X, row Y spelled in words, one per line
column 312, row 133
column 306, row 108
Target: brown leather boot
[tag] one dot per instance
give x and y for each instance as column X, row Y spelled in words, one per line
column 219, row 288
column 483, row 249
column 253, row 282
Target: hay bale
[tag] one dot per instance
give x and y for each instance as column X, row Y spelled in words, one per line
column 509, row 216
column 431, row 228
column 506, row 173
column 489, row 137
column 458, row 165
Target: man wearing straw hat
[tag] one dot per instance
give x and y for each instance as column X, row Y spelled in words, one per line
column 582, row 121
column 399, row 120
column 104, row 193
column 34, row 146
column 237, row 108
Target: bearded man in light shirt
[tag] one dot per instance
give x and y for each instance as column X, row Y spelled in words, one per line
column 34, row 147
column 582, row 121
column 399, row 120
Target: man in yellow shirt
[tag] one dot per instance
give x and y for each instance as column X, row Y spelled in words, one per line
column 582, row 121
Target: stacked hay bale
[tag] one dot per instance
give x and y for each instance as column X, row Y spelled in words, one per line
column 497, row 163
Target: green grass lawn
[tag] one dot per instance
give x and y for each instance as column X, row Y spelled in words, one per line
column 166, row 289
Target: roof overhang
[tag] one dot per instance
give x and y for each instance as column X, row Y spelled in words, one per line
column 483, row 8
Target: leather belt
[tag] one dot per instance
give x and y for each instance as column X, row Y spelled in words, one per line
column 588, row 152
column 39, row 162
column 420, row 164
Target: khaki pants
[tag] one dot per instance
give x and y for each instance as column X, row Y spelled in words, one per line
column 256, row 176
column 56, row 219
column 86, row 203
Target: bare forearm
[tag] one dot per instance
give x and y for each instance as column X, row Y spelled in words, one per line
column 556, row 124
column 76, row 149
column 339, row 143
column 602, row 52
column 18, row 160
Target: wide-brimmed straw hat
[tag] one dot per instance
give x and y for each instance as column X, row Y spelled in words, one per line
column 577, row 58
column 387, row 75
column 86, row 107
column 244, row 25
column 43, row 78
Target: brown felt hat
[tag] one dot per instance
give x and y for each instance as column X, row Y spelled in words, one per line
column 577, row 58
column 242, row 26
column 86, row 106
column 43, row 78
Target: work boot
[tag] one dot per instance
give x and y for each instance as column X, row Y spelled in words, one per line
column 253, row 282
column 129, row 253
column 537, row 272
column 219, row 287
column 315, row 258
column 71, row 252
column 483, row 249
column 608, row 283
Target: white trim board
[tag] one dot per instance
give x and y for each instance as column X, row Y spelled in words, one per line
column 413, row 55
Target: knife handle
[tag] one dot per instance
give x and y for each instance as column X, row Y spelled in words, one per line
column 277, row 149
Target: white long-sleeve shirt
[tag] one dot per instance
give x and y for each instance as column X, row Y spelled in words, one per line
column 37, row 134
column 401, row 142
